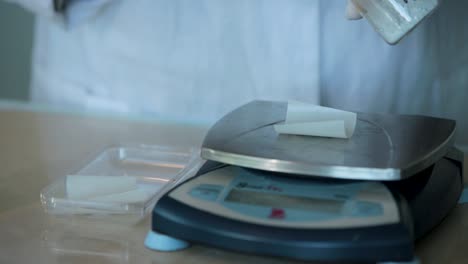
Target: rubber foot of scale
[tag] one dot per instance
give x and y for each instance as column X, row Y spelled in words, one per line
column 161, row 242
column 414, row 261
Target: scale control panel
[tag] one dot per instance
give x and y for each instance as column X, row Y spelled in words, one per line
column 271, row 199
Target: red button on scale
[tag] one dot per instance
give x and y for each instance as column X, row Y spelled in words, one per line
column 277, row 213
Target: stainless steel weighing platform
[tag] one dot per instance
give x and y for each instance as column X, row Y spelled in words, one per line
column 383, row 147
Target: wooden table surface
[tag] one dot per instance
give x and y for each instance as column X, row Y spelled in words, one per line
column 38, row 147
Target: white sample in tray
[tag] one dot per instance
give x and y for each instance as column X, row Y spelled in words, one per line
column 88, row 186
column 133, row 196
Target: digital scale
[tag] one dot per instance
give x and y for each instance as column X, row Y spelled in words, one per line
column 363, row 199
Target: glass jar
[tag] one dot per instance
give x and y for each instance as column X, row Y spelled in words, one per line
column 393, row 19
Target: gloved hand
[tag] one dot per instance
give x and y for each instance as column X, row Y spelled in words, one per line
column 40, row 7
column 352, row 13
column 79, row 11
column 75, row 12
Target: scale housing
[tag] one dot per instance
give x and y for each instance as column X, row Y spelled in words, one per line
column 396, row 154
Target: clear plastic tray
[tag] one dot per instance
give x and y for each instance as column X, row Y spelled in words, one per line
column 151, row 170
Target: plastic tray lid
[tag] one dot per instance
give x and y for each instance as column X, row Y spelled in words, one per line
column 122, row 183
column 383, row 147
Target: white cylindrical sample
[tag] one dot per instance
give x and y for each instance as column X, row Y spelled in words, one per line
column 319, row 129
column 314, row 120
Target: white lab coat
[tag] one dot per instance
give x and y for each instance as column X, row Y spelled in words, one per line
column 196, row 60
column 184, row 60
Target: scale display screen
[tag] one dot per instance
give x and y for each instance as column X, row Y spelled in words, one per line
column 284, row 201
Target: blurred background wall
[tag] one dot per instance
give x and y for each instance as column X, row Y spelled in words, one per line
column 16, row 29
